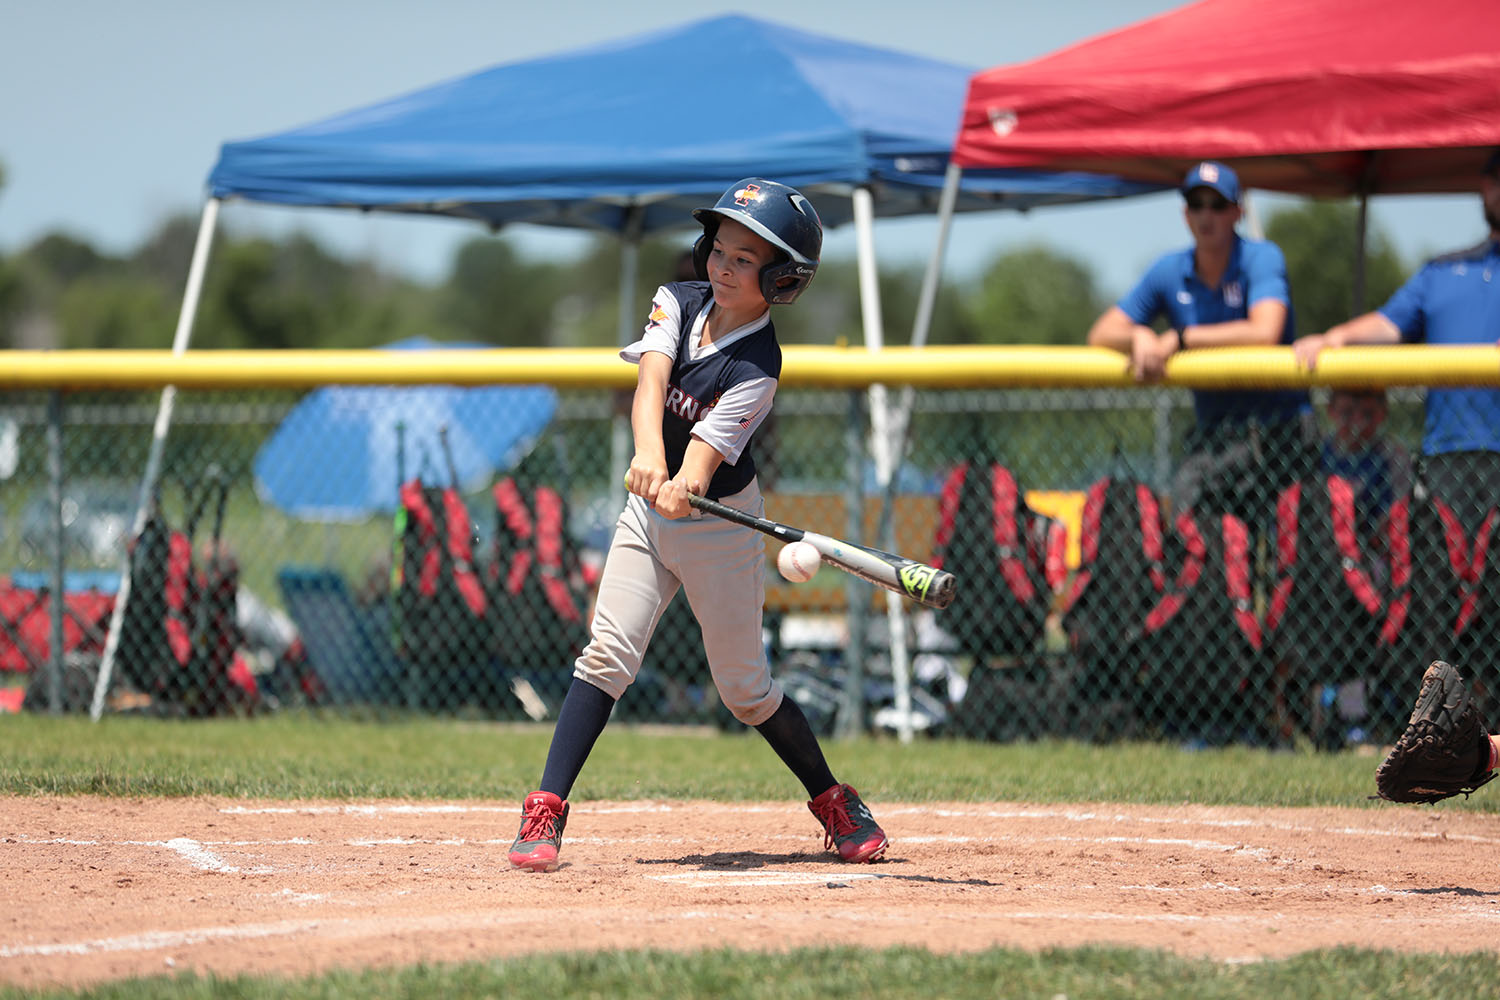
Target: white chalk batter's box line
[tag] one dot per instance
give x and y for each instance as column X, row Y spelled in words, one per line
column 1075, row 816
column 200, row 855
column 191, row 848
column 1067, row 815
column 443, row 809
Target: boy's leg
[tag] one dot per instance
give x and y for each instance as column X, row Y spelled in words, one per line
column 583, row 715
column 722, row 566
column 789, row 734
column 544, row 814
column 848, row 825
column 633, row 590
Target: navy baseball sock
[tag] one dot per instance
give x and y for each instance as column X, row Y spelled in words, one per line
column 794, row 742
column 584, row 713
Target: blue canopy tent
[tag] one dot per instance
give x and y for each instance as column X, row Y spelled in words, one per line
column 626, row 137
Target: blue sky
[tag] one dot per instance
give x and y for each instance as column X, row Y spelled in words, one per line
column 125, row 106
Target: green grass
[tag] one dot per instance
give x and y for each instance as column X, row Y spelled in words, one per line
column 306, row 756
column 1095, row 973
column 295, row 755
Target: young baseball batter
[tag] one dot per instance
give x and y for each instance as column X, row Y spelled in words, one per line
column 708, row 366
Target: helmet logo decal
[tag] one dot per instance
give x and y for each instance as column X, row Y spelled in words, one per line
column 802, row 204
column 747, row 194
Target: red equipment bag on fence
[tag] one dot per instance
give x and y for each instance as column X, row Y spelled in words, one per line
column 1200, row 666
column 1327, row 605
column 1122, row 567
column 537, row 578
column 990, row 538
column 443, row 549
column 179, row 638
column 1323, row 575
column 444, row 613
column 26, row 625
column 1444, row 591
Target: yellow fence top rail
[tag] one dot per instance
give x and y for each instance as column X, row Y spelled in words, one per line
column 832, row 367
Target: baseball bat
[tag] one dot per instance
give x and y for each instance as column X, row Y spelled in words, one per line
column 927, row 585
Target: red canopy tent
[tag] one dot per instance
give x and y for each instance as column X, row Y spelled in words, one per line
column 1317, row 97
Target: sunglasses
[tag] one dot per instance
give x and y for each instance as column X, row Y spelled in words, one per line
column 1210, row 204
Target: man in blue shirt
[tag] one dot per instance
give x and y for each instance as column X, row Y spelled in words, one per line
column 1454, row 299
column 1223, row 290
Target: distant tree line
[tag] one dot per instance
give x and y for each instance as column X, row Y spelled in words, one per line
column 292, row 292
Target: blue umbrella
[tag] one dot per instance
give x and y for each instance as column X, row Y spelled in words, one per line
column 335, row 455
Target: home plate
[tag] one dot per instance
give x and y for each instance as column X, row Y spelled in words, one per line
column 713, row 878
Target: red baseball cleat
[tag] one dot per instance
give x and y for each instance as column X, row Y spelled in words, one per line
column 543, row 816
column 847, row 824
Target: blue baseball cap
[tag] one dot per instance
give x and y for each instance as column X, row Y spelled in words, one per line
column 1215, row 176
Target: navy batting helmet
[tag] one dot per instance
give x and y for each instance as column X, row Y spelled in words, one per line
column 777, row 214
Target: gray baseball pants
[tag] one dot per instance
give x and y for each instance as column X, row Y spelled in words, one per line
column 722, row 568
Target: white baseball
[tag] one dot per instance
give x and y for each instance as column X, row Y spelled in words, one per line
column 798, row 561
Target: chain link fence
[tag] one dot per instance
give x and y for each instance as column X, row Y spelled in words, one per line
column 1120, row 576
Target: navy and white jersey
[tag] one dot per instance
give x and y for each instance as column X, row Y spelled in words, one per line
column 719, row 392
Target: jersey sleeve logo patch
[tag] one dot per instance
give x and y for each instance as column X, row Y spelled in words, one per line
column 658, row 314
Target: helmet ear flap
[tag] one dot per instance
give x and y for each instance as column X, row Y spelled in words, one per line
column 782, row 281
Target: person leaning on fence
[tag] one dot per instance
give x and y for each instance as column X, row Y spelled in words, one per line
column 1454, row 299
column 708, row 369
column 1222, row 291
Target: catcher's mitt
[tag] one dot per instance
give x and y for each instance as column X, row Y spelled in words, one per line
column 1446, row 747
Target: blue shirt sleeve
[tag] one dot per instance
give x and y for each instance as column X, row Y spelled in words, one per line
column 1148, row 299
column 1265, row 275
column 1405, row 309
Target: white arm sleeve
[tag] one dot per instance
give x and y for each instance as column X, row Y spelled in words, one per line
column 663, row 329
column 736, row 415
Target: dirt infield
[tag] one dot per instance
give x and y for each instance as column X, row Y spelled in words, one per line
column 100, row 888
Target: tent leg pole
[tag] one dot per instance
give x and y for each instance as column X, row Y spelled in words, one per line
column 619, row 438
column 927, row 303
column 880, row 431
column 180, row 341
column 896, row 436
column 926, row 306
column 1361, row 229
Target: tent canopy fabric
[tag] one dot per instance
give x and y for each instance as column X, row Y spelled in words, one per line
column 629, row 136
column 1317, row 97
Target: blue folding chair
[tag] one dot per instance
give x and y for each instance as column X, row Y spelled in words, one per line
column 349, row 644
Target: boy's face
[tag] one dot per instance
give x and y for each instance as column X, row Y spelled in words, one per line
column 1356, row 419
column 734, row 266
